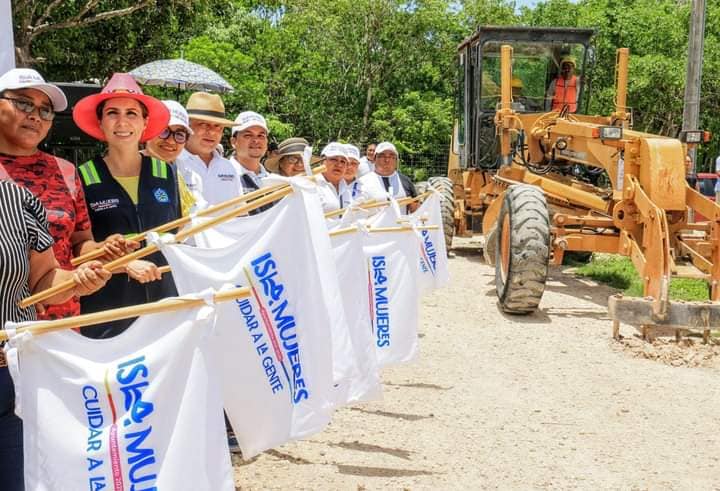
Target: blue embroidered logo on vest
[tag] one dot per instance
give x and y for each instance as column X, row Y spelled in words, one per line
column 161, row 195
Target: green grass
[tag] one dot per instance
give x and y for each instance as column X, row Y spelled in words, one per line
column 619, row 272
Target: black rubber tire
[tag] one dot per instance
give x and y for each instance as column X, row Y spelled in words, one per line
column 447, row 206
column 520, row 277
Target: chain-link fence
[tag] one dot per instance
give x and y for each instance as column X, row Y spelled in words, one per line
column 420, row 166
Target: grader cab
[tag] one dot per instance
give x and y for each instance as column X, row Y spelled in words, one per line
column 539, row 178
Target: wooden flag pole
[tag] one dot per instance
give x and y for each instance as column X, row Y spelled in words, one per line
column 400, row 228
column 403, row 228
column 179, row 222
column 377, row 204
column 349, row 230
column 166, row 305
column 182, row 221
column 150, row 248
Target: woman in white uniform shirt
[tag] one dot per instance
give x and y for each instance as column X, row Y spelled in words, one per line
column 352, row 191
column 330, row 183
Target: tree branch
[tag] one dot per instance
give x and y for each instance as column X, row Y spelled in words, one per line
column 77, row 22
column 51, row 6
column 87, row 8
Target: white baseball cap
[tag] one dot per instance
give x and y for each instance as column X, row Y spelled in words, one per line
column 352, row 151
column 178, row 115
column 248, row 119
column 27, row 78
column 384, row 146
column 334, row 149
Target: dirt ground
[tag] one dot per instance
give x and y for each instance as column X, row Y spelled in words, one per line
column 547, row 401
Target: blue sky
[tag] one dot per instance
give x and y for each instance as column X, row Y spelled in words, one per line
column 526, row 3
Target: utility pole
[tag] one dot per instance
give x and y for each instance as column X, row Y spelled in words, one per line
column 691, row 110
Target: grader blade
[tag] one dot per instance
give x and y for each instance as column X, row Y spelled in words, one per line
column 686, row 315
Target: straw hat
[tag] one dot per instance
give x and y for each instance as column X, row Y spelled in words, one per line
column 291, row 146
column 120, row 85
column 207, row 107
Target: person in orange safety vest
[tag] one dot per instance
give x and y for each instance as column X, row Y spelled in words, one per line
column 564, row 90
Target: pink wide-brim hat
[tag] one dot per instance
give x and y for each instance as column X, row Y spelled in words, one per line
column 120, row 85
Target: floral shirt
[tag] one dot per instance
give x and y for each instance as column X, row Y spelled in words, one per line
column 56, row 184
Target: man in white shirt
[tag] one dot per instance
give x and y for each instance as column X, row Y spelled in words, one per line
column 386, row 180
column 353, row 189
column 330, row 184
column 367, row 163
column 250, row 141
column 218, row 178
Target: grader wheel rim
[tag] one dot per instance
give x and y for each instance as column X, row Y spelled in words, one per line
column 505, row 248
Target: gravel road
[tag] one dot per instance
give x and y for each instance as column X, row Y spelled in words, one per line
column 546, row 401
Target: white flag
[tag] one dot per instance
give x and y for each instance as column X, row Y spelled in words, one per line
column 433, row 263
column 139, row 411
column 275, row 347
column 394, row 294
column 249, row 228
column 353, row 275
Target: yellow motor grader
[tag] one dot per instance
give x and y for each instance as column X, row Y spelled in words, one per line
column 540, row 181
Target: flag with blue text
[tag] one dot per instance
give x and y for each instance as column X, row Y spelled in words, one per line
column 142, row 410
column 275, row 348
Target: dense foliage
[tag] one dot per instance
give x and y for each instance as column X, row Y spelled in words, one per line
column 362, row 70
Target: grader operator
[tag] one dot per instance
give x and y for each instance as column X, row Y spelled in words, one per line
column 541, row 178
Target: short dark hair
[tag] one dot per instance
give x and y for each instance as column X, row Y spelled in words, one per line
column 101, row 106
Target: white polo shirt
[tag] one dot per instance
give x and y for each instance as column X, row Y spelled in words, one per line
column 329, row 196
column 365, row 167
column 242, row 170
column 351, row 193
column 372, row 185
column 218, row 181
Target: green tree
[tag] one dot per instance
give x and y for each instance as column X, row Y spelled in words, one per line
column 89, row 39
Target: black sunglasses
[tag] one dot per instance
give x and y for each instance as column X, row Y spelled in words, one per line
column 46, row 113
column 180, row 136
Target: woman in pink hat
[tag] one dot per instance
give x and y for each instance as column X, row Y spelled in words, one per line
column 126, row 192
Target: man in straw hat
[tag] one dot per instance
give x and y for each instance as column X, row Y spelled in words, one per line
column 219, row 179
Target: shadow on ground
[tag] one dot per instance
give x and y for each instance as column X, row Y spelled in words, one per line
column 388, row 414
column 359, row 470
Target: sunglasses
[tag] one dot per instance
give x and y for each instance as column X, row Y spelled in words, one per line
column 46, row 113
column 180, row 136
